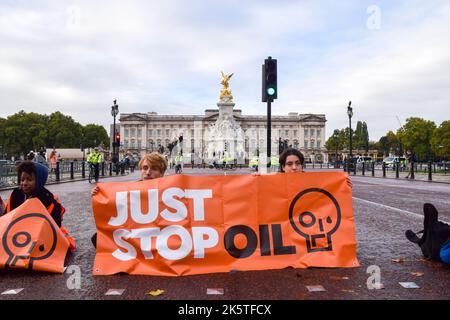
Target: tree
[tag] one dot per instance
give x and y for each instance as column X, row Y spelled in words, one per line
column 440, row 141
column 94, row 135
column 416, row 136
column 64, row 132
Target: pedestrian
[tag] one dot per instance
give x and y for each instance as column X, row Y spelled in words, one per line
column 53, row 159
column 409, row 160
column 33, row 177
column 152, row 166
column 94, row 159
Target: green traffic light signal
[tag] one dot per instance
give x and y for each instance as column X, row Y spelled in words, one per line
column 271, row 91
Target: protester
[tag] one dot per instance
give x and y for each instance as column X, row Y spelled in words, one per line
column 33, row 177
column 291, row 160
column 152, row 166
column 94, row 159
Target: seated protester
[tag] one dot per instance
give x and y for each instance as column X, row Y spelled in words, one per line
column 152, row 166
column 33, row 177
column 292, row 160
column 2, row 207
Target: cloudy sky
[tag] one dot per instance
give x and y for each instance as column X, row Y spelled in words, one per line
column 391, row 58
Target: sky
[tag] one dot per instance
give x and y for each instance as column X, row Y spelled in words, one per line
column 390, row 58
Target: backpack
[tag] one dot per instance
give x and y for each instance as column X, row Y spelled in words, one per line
column 436, row 234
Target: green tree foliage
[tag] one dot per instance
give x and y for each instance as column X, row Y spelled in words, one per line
column 416, row 135
column 94, row 135
column 440, row 141
column 22, row 132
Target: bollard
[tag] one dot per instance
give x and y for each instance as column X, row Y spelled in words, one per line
column 430, row 178
column 103, row 169
column 83, row 167
column 354, row 168
column 397, row 173
column 412, row 171
column 110, row 169
column 363, row 169
column 373, row 169
column 58, row 165
column 383, row 166
column 71, row 171
column 320, row 166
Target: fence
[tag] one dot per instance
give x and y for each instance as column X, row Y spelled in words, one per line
column 431, row 171
column 64, row 171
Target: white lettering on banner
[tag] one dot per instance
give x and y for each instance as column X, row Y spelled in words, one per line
column 136, row 209
column 170, row 201
column 169, row 198
column 163, row 240
column 202, row 238
column 198, row 235
column 198, row 196
column 130, row 254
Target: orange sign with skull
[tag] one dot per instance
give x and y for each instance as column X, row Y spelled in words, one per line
column 30, row 239
column 185, row 225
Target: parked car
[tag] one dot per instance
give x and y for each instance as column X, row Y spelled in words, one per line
column 389, row 162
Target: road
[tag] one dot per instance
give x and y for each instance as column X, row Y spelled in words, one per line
column 384, row 209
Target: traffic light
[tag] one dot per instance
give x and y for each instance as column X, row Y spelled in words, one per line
column 269, row 80
column 117, row 139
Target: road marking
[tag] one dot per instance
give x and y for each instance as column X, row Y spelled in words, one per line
column 114, row 292
column 395, row 209
column 12, row 291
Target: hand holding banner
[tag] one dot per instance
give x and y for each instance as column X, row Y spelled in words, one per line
column 180, row 225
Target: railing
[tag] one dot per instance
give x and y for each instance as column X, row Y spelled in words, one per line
column 64, row 171
column 429, row 171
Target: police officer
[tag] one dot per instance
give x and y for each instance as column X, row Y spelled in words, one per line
column 94, row 159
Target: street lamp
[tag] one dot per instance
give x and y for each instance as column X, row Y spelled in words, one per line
column 336, row 133
column 114, row 113
column 350, row 115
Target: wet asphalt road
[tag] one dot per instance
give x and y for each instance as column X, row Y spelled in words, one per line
column 384, row 209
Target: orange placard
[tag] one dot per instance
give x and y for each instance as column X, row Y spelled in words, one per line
column 30, row 239
column 185, row 225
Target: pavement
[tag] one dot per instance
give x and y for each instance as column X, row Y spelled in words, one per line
column 384, row 209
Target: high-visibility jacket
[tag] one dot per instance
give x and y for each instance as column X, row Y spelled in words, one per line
column 94, row 158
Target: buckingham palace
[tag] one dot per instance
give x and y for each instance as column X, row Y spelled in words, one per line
column 221, row 133
column 206, row 137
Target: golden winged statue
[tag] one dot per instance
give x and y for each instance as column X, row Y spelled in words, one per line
column 225, row 94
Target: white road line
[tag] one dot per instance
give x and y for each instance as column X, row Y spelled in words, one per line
column 395, row 209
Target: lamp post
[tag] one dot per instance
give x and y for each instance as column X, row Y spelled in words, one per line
column 114, row 113
column 336, row 132
column 350, row 115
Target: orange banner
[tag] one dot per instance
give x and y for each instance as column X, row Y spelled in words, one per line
column 30, row 239
column 185, row 225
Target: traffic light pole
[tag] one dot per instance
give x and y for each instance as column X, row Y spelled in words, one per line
column 269, row 131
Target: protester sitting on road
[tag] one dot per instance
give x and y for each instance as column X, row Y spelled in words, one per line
column 152, row 166
column 94, row 159
column 33, row 177
column 292, row 160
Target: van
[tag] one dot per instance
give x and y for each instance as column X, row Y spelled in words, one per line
column 390, row 161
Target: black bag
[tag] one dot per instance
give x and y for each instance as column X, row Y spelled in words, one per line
column 435, row 234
